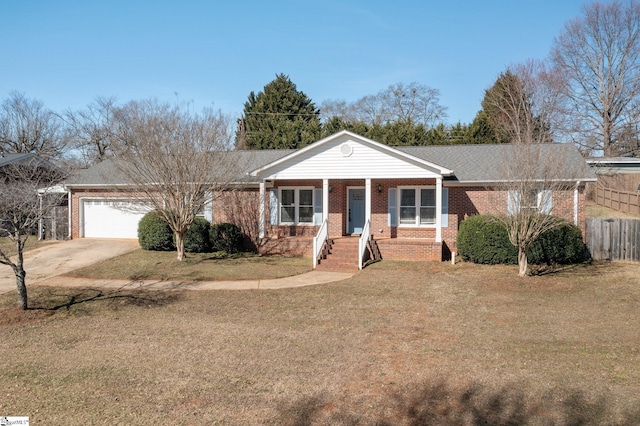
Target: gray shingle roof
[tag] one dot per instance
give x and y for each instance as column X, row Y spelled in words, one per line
column 106, row 173
column 6, row 159
column 482, row 163
column 470, row 163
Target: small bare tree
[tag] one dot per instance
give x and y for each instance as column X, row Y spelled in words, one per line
column 26, row 196
column 242, row 208
column 176, row 161
column 532, row 170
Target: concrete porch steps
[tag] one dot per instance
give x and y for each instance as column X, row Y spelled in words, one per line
column 341, row 254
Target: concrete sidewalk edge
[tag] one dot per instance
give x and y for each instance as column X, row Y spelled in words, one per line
column 302, row 280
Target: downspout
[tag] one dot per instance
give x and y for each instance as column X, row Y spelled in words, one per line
column 576, row 202
column 261, row 231
column 40, row 218
column 69, row 212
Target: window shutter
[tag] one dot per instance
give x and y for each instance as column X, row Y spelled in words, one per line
column 545, row 201
column 317, row 206
column 513, row 202
column 393, row 211
column 445, row 208
column 273, row 206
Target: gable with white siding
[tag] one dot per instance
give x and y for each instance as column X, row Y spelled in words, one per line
column 346, row 155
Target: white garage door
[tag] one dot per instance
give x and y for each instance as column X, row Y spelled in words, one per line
column 105, row 218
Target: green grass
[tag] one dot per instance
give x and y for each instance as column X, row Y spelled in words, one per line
column 143, row 264
column 399, row 343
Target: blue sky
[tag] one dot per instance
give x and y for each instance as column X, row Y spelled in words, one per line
column 66, row 53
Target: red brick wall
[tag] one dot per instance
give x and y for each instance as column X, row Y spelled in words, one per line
column 463, row 202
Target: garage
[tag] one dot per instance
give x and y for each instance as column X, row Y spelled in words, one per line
column 110, row 218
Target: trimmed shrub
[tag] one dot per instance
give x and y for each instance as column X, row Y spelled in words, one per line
column 197, row 238
column 562, row 245
column 226, row 237
column 155, row 234
column 483, row 240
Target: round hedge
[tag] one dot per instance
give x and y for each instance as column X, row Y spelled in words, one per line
column 562, row 245
column 197, row 238
column 482, row 239
column 155, row 234
column 226, row 237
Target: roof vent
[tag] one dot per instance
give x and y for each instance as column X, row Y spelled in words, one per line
column 346, row 149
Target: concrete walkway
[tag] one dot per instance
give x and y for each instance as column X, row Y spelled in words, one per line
column 46, row 266
column 302, row 280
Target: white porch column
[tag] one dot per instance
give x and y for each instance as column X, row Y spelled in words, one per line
column 325, row 199
column 367, row 200
column 439, row 210
column 262, row 201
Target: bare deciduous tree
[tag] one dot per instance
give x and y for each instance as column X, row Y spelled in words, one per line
column 26, row 196
column 176, row 161
column 599, row 54
column 92, row 131
column 400, row 102
column 27, row 126
column 533, row 172
column 242, row 208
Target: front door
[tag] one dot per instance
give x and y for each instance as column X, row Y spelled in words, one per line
column 356, row 208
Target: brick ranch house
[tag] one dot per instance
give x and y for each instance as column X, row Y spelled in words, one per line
column 346, row 190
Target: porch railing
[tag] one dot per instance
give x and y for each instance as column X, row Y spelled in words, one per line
column 365, row 237
column 318, row 241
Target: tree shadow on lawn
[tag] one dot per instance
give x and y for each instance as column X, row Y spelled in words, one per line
column 46, row 301
column 438, row 403
column 54, row 299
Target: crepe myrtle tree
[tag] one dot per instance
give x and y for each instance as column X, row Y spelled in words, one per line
column 175, row 160
column 524, row 113
column 27, row 195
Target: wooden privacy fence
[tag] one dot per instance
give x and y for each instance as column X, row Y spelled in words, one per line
column 613, row 239
column 623, row 201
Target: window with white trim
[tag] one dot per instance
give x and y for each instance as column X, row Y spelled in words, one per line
column 296, row 205
column 417, row 206
column 530, row 200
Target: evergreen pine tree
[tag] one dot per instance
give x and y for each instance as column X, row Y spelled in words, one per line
column 279, row 117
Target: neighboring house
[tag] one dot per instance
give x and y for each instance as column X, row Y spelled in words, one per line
column 55, row 224
column 618, row 185
column 26, row 158
column 622, row 173
column 407, row 202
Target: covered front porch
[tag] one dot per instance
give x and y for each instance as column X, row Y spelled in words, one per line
column 304, row 217
column 349, row 186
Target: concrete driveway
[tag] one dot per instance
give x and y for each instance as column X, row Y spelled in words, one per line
column 65, row 256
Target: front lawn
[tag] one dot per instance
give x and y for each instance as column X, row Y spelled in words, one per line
column 8, row 247
column 398, row 344
column 143, row 264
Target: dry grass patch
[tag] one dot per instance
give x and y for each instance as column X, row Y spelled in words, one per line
column 399, row 343
column 595, row 210
column 8, row 247
column 143, row 264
